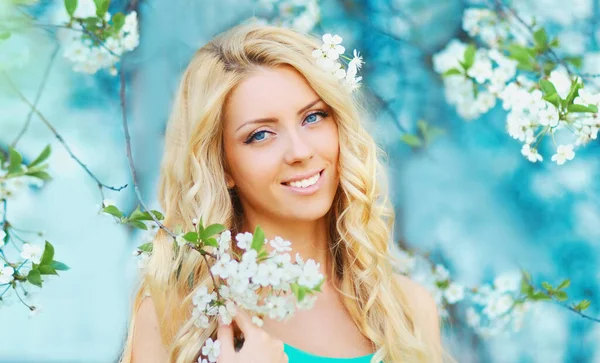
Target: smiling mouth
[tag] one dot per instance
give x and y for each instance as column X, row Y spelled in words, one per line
column 305, row 183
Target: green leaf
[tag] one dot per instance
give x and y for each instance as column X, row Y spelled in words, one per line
column 191, row 237
column 526, row 66
column 547, row 87
column 523, row 56
column 547, row 286
column 40, row 175
column 469, row 56
column 561, row 295
column 138, row 224
column 157, row 214
column 137, row 214
column 295, row 287
column 541, row 38
column 554, row 43
column 211, row 241
column 118, row 21
column 573, row 92
column 112, row 210
column 584, row 304
column 258, row 239
column 48, row 254
column 540, row 296
column 411, row 140
column 146, row 247
column 526, row 288
column 5, row 34
column 452, row 72
column 554, row 99
column 594, row 108
column 59, row 266
column 71, row 6
column 47, row 270
column 101, row 7
column 581, row 108
column 35, row 277
column 563, row 285
column 318, row 287
column 526, row 276
column 212, row 230
column 576, row 61
column 15, row 161
column 41, row 158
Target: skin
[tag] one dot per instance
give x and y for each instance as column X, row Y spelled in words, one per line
column 258, row 157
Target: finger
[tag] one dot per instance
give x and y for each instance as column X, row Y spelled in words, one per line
column 225, row 336
column 244, row 321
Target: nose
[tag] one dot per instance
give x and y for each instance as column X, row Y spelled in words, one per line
column 299, row 147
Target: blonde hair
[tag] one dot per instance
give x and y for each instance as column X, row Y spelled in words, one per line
column 192, row 184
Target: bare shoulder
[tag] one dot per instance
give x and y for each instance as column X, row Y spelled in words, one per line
column 423, row 305
column 147, row 341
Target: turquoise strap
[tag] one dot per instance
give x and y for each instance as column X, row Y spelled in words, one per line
column 296, row 355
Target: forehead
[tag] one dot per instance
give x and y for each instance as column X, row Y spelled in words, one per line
column 268, row 92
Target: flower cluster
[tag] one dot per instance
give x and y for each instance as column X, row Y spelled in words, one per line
column 264, row 283
column 498, row 307
column 473, row 92
column 328, row 56
column 95, row 41
column 249, row 272
column 435, row 278
column 542, row 96
column 298, row 15
column 486, row 25
column 36, row 261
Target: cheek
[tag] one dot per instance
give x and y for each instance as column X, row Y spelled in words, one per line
column 253, row 169
column 329, row 143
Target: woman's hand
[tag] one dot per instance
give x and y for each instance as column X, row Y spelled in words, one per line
column 258, row 346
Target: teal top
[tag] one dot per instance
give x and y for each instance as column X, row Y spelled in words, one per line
column 296, row 355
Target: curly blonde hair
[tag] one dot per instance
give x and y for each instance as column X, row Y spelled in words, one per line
column 192, row 184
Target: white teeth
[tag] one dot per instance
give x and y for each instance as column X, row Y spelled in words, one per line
column 305, row 183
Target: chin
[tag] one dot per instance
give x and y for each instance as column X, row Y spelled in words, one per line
column 310, row 211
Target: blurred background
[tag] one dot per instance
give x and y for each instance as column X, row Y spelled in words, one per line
column 472, row 211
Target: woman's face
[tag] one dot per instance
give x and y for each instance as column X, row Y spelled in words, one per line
column 281, row 146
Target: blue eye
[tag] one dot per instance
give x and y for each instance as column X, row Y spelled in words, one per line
column 312, row 118
column 257, row 136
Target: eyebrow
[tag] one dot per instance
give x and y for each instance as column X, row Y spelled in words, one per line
column 272, row 120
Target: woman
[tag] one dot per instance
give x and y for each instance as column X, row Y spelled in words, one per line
column 261, row 135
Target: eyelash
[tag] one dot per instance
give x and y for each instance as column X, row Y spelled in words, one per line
column 251, row 139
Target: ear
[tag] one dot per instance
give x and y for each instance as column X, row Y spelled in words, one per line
column 229, row 180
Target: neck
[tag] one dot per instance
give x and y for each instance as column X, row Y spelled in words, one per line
column 310, row 239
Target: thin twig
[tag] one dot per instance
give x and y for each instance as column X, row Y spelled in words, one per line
column 128, row 149
column 212, row 277
column 58, row 136
column 37, row 97
column 585, row 316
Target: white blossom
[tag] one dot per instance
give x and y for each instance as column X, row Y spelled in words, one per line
column 311, row 275
column 441, row 274
column 244, row 240
column 563, row 153
column 211, row 349
column 454, row 293
column 6, row 274
column 280, row 245
column 332, row 46
column 32, row 252
column 531, row 153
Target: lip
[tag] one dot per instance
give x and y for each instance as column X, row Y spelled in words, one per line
column 302, row 176
column 308, row 190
